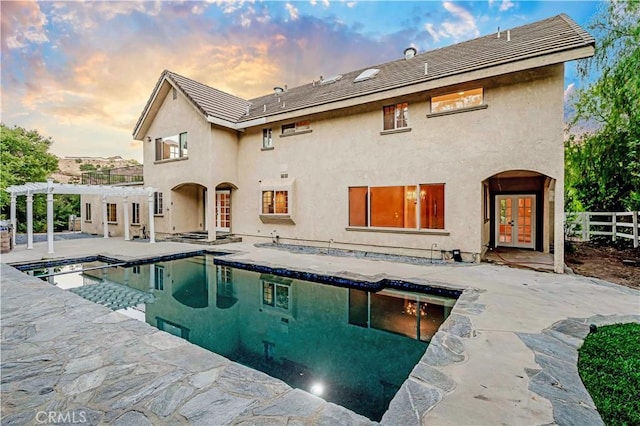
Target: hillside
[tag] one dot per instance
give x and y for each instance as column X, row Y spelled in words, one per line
column 70, row 168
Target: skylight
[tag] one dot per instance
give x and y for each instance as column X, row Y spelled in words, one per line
column 366, row 74
column 331, row 79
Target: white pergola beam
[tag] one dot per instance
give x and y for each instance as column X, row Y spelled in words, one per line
column 50, row 188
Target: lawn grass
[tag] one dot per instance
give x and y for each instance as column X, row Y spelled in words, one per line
column 609, row 365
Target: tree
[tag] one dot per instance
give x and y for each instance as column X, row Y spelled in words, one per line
column 603, row 163
column 25, row 158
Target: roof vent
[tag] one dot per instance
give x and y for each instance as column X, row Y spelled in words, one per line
column 426, row 68
column 410, row 52
column 331, row 79
column 366, row 74
column 277, row 90
column 508, row 35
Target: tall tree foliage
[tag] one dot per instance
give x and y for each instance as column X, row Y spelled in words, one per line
column 603, row 164
column 25, row 158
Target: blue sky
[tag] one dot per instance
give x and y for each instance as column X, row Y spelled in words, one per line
column 81, row 72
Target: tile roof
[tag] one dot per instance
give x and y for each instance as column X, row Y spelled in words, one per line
column 557, row 34
column 551, row 35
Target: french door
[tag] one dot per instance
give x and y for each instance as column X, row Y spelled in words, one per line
column 515, row 221
column 223, row 211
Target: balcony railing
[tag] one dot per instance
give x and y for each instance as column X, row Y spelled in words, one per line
column 119, row 176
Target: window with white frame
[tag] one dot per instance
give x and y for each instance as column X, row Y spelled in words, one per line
column 135, row 213
column 157, row 203
column 112, row 210
column 267, row 139
column 171, row 147
column 275, row 202
column 276, row 295
column 87, row 212
column 396, row 116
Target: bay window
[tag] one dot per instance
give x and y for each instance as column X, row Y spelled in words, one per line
column 275, row 202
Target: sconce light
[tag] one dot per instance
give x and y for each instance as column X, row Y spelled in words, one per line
column 148, row 138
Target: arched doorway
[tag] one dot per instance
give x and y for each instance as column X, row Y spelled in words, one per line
column 223, row 208
column 519, row 210
column 188, row 208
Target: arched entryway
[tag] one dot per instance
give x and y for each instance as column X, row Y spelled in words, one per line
column 522, row 211
column 223, row 213
column 188, row 208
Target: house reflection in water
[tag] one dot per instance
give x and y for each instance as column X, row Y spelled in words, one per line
column 360, row 346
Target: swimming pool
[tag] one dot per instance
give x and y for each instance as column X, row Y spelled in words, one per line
column 348, row 345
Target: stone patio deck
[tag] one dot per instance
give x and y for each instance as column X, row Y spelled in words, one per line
column 506, row 355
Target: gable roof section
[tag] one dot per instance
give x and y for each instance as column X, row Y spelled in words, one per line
column 547, row 37
column 212, row 103
column 552, row 35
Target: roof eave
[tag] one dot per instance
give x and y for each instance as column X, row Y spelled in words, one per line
column 424, row 85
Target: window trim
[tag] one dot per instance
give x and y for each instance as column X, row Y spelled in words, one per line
column 267, row 135
column 182, row 149
column 481, row 105
column 396, row 118
column 114, row 219
column 135, row 211
column 158, row 203
column 87, row 212
column 418, row 229
column 296, row 128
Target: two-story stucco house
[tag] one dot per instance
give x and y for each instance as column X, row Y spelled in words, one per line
column 459, row 148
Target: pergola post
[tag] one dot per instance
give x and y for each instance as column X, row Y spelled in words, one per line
column 50, row 215
column 105, row 225
column 152, row 228
column 125, row 207
column 13, row 218
column 29, row 221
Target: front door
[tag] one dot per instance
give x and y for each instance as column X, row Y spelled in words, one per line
column 515, row 222
column 223, row 211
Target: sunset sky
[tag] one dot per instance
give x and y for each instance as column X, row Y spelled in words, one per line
column 81, row 72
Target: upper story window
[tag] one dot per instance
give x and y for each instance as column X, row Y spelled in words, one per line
column 275, row 202
column 112, row 212
column 409, row 207
column 172, row 147
column 299, row 126
column 458, row 100
column 396, row 116
column 157, row 203
column 267, row 139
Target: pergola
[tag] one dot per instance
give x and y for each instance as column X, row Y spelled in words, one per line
column 50, row 188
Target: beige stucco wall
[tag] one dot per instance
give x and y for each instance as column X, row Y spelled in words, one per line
column 520, row 129
column 212, row 159
column 115, row 229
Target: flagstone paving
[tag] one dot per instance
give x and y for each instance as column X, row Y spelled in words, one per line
column 506, row 355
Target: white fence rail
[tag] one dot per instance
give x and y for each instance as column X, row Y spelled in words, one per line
column 582, row 225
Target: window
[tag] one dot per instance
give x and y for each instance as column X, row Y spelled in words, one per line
column 87, row 212
column 300, row 126
column 111, row 212
column 158, row 277
column 408, row 207
column 275, row 202
column 457, row 100
column 171, row 147
column 157, row 203
column 135, row 213
column 276, row 295
column 267, row 139
column 396, row 116
column 135, row 269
